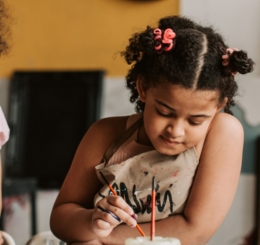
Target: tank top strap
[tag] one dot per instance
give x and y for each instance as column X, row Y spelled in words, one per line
column 132, row 119
column 121, row 139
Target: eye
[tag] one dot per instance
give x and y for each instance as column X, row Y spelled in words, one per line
column 161, row 113
column 194, row 123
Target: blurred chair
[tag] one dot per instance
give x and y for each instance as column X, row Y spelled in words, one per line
column 45, row 238
column 8, row 240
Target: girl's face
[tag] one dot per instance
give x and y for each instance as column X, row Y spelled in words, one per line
column 176, row 118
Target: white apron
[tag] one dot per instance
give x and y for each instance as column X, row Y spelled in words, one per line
column 132, row 180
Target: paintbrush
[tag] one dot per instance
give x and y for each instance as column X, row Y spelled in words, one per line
column 115, row 194
column 152, row 227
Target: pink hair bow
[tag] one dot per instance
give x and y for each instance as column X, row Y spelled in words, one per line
column 225, row 58
column 167, row 38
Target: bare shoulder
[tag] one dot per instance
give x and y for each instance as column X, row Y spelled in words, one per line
column 103, row 132
column 224, row 129
column 226, row 125
column 109, row 126
column 225, row 135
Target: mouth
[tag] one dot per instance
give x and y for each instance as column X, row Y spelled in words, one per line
column 170, row 141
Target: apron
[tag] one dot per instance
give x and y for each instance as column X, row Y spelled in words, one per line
column 132, row 180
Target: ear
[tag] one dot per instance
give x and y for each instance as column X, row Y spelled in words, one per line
column 222, row 104
column 141, row 89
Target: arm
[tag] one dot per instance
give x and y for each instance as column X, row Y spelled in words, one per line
column 212, row 193
column 1, row 238
column 73, row 218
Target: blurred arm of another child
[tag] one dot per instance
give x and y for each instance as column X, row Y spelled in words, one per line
column 4, row 136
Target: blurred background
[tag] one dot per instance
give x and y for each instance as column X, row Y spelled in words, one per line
column 78, row 42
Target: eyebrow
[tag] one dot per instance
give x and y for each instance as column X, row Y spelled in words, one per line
column 170, row 108
column 161, row 103
column 201, row 115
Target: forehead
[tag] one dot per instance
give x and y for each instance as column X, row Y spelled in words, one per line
column 175, row 93
column 205, row 94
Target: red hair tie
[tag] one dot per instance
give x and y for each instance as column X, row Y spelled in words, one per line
column 167, row 38
column 158, row 36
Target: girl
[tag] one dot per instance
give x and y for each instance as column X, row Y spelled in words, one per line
column 182, row 77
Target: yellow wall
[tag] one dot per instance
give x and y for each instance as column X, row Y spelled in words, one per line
column 78, row 34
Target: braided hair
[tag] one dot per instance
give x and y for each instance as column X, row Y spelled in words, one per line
column 194, row 62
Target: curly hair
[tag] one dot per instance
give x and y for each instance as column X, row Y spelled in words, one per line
column 5, row 32
column 195, row 61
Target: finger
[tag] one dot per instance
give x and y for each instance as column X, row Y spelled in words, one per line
column 109, row 212
column 102, row 224
column 119, row 202
column 125, row 217
column 134, row 216
column 101, row 227
column 120, row 208
column 106, row 214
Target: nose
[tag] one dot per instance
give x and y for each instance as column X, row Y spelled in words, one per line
column 175, row 129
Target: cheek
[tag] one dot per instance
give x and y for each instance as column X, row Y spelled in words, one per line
column 153, row 124
column 151, row 115
column 197, row 133
column 194, row 134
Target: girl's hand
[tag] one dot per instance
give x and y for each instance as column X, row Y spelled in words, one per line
column 109, row 213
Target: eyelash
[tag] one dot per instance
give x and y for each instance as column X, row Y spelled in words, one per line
column 193, row 123
column 171, row 115
column 164, row 115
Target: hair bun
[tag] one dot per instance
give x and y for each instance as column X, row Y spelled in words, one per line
column 239, row 62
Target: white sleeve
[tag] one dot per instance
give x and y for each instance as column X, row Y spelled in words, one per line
column 4, row 129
